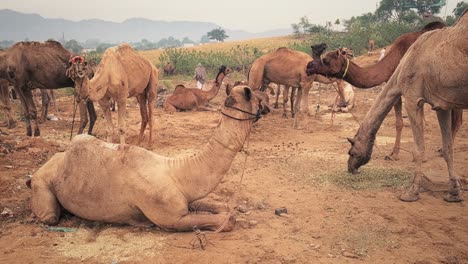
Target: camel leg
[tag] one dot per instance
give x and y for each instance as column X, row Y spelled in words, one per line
column 278, row 89
column 31, row 113
column 5, row 104
column 445, row 123
column 45, row 106
column 44, row 204
column 204, row 205
column 415, row 114
column 92, row 115
column 105, row 106
column 151, row 100
column 83, row 115
column 399, row 127
column 122, row 111
column 304, row 102
column 175, row 215
column 457, row 121
column 141, row 98
column 51, row 94
column 285, row 101
column 293, row 98
column 296, row 107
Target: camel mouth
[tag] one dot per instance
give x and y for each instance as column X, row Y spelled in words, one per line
column 80, row 74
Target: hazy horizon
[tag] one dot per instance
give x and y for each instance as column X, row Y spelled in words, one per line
column 266, row 15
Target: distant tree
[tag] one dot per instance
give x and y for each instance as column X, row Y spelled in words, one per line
column 218, row 34
column 204, row 39
column 337, row 21
column 187, row 40
column 91, row 43
column 74, row 46
column 102, row 47
column 461, row 6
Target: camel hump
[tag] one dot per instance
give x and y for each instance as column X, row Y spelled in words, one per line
column 282, row 48
column 433, row 25
column 82, row 138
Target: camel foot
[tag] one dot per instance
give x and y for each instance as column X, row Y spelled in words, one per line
column 409, row 197
column 452, row 198
column 391, row 157
column 231, row 223
column 275, row 106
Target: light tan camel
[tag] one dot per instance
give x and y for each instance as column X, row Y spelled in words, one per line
column 193, row 98
column 434, row 71
column 122, row 73
column 286, row 67
column 127, row 184
column 335, row 63
column 370, row 47
column 345, row 99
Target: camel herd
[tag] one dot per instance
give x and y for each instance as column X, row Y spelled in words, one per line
column 428, row 66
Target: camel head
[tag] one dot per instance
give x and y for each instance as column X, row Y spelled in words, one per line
column 243, row 104
column 359, row 153
column 77, row 70
column 222, row 70
column 332, row 64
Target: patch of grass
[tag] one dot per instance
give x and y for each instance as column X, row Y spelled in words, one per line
column 369, row 178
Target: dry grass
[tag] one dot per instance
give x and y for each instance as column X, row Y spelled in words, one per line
column 263, row 44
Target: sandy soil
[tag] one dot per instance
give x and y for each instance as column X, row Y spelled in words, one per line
column 332, row 217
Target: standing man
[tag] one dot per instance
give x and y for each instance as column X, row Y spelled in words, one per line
column 200, row 75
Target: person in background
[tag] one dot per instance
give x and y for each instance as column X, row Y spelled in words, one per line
column 200, row 75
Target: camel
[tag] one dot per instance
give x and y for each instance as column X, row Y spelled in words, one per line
column 5, row 105
column 335, row 64
column 169, row 69
column 286, row 96
column 122, row 73
column 344, row 100
column 287, row 67
column 193, row 98
column 39, row 65
column 370, row 47
column 126, row 184
column 432, row 71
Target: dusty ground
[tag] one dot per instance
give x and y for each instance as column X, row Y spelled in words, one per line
column 333, row 217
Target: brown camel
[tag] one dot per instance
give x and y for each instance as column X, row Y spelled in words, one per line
column 370, row 47
column 334, row 64
column 169, row 69
column 434, row 71
column 193, row 98
column 127, row 184
column 286, row 67
column 122, row 73
column 39, row 65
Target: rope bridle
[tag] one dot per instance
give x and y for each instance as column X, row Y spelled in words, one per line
column 255, row 116
column 346, row 69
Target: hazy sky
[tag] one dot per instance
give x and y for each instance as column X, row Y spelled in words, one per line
column 248, row 15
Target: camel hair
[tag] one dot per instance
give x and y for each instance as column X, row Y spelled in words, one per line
column 334, row 64
column 287, row 67
column 434, row 71
column 121, row 73
column 184, row 99
column 30, row 65
column 126, row 184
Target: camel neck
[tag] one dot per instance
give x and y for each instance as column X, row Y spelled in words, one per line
column 199, row 174
column 96, row 88
column 368, row 77
column 215, row 88
column 377, row 113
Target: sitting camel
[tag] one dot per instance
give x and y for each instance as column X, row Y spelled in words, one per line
column 184, row 99
column 434, row 71
column 127, row 184
column 345, row 99
column 122, row 73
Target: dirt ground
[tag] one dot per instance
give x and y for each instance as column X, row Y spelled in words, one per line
column 332, row 217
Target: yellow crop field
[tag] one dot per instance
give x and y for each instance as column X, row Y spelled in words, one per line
column 263, row 44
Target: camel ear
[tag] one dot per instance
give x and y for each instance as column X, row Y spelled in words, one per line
column 247, row 93
column 350, row 141
column 230, row 101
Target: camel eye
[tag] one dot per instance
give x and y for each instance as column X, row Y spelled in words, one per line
column 326, row 62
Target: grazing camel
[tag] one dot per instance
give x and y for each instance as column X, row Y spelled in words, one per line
column 335, row 64
column 122, row 73
column 434, row 71
column 370, row 47
column 39, row 65
column 287, row 67
column 184, row 99
column 127, row 184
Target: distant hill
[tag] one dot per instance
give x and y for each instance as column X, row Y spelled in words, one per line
column 18, row 26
